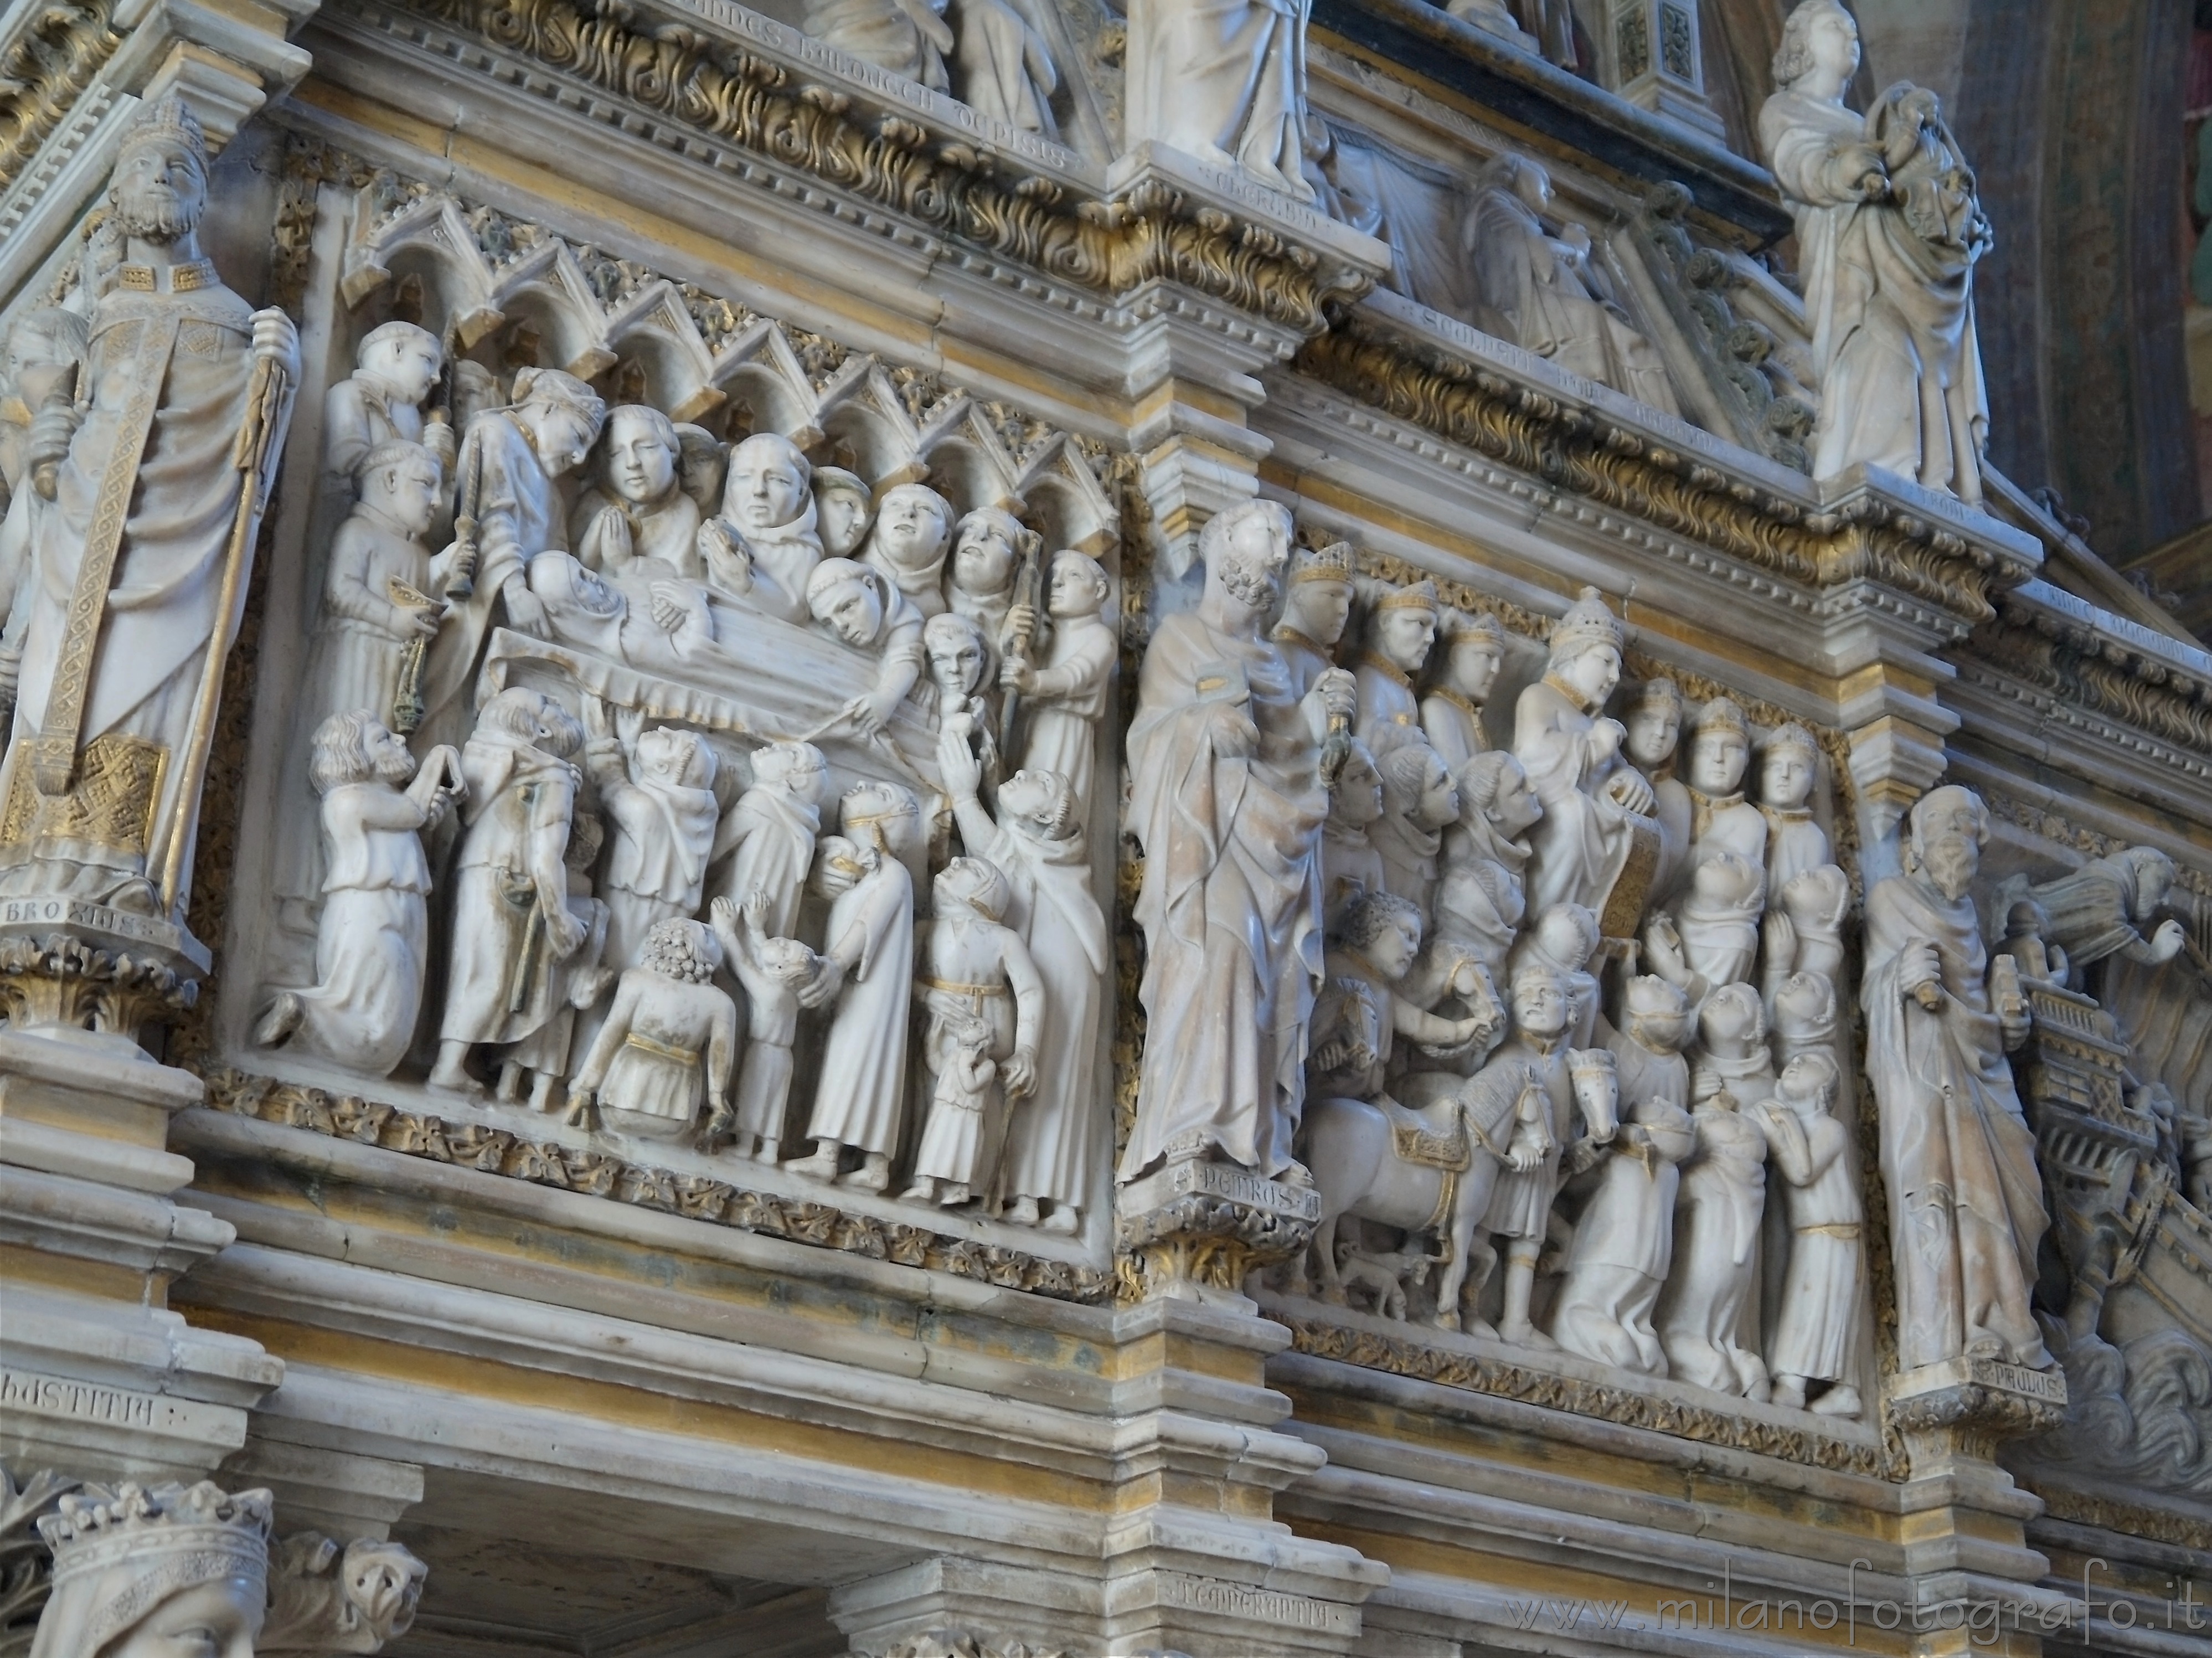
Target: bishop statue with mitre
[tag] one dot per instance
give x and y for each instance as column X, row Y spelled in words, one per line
column 150, row 483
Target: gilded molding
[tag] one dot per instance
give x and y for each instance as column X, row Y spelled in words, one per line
column 2092, row 669
column 1580, row 452
column 546, row 1163
column 46, row 64
column 2081, row 1508
column 1625, row 1405
column 1152, row 233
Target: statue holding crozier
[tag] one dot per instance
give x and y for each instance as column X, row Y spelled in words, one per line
column 162, row 467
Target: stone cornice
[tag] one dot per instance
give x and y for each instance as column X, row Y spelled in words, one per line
column 2092, row 660
column 47, row 61
column 802, row 106
column 571, row 1168
column 1584, row 440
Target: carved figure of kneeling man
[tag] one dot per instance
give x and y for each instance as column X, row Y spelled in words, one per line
column 373, row 945
column 668, row 1041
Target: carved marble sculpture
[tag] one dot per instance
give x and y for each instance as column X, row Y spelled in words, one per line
column 960, row 667
column 765, row 545
column 973, row 970
column 907, row 37
column 574, row 984
column 1063, row 697
column 1807, row 892
column 768, row 837
column 1654, row 731
column 1576, row 1085
column 1722, row 1197
column 2107, row 907
column 636, row 506
column 139, row 563
column 379, row 614
column 325, row 1600
column 1399, row 629
column 40, row 350
column 991, row 551
column 906, row 547
column 1582, row 844
column 1711, row 936
column 1003, row 68
column 703, row 467
column 1957, row 1156
column 142, row 1573
column 1624, row 1239
column 1541, row 283
column 1826, row 1275
column 1418, row 800
column 1036, row 842
column 381, row 591
column 774, row 972
column 1227, row 803
column 372, row 949
column 1224, row 81
column 1889, row 233
column 510, row 903
column 860, row 1099
column 667, row 1042
column 656, row 792
column 1317, row 596
column 844, row 510
column 864, row 609
column 383, row 401
column 1430, row 1163
column 508, row 511
column 1564, row 939
column 1350, row 864
column 1452, row 708
column 1480, row 897
column 1359, row 1017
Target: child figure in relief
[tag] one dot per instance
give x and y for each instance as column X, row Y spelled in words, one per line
column 773, row 972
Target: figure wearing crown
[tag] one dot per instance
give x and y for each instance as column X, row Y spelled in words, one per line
column 158, row 472
column 143, row 1574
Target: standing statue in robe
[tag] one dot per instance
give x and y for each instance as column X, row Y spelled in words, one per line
column 1592, row 807
column 1036, row 842
column 1063, row 697
column 860, row 1099
column 1958, row 1158
column 1228, row 804
column 1224, row 81
column 138, row 571
column 1452, row 708
column 1003, row 68
column 1889, row 233
column 769, row 835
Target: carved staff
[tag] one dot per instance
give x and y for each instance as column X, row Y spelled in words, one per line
column 266, row 395
column 1029, row 581
column 408, row 707
column 461, row 583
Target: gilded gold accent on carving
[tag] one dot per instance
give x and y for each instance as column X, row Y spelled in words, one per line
column 1576, row 452
column 498, row 1151
column 118, row 783
column 1153, row 234
column 46, row 64
column 1503, row 1379
column 1430, row 1148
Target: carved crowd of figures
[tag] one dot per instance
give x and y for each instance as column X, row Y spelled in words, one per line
column 838, row 916
column 1558, row 1010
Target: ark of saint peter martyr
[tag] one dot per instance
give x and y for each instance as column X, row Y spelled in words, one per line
column 1106, row 828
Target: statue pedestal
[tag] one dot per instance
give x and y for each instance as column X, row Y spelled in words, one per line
column 1194, row 1230
column 69, row 968
column 98, row 1379
column 1965, row 1522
